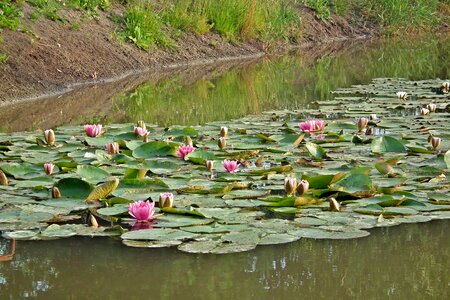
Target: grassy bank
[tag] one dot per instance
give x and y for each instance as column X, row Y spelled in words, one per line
column 162, row 22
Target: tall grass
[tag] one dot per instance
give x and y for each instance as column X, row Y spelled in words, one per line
column 404, row 15
column 234, row 19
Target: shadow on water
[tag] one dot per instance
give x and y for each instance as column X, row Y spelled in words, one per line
column 204, row 93
column 404, row 262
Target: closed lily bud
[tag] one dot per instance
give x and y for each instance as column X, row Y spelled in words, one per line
column 93, row 221
column 424, row 111
column 210, row 165
column 302, row 187
column 373, row 117
column 141, row 124
column 402, row 95
column 49, row 136
column 334, row 204
column 222, row 143
column 446, row 86
column 431, row 107
column 3, row 178
column 48, row 168
column 290, row 184
column 188, row 141
column 369, row 131
column 56, row 193
column 362, row 123
column 112, row 148
column 435, row 142
column 166, row 200
column 223, row 131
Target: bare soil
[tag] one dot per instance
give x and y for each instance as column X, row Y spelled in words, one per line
column 52, row 58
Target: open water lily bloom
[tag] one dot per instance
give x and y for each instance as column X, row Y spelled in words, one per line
column 142, row 210
column 312, row 125
column 140, row 131
column 402, row 95
column 185, row 150
column 93, row 130
column 231, row 166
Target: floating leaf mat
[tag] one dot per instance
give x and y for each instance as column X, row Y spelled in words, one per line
column 386, row 178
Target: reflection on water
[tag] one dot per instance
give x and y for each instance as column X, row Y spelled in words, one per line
column 195, row 95
column 404, row 262
column 289, row 82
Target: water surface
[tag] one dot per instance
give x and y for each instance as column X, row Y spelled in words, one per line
column 404, row 262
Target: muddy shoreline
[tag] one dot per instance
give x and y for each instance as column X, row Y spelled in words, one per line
column 53, row 60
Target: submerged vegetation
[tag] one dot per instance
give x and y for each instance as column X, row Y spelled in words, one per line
column 381, row 159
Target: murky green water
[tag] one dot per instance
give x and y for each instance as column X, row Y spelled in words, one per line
column 405, row 262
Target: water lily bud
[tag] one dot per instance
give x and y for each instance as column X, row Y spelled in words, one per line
column 166, row 200
column 49, row 136
column 435, row 142
column 290, row 185
column 302, row 187
column 48, row 168
column 362, row 123
column 446, row 86
column 188, row 141
column 112, row 148
column 373, row 117
column 222, row 143
column 334, row 204
column 431, row 107
column 93, row 221
column 141, row 124
column 223, row 131
column 424, row 111
column 369, row 131
column 3, row 178
column 56, row 193
column 209, row 165
column 402, row 95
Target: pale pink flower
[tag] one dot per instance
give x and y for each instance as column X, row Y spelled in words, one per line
column 49, row 136
column 231, row 166
column 290, row 184
column 312, row 125
column 112, row 148
column 48, row 168
column 302, row 187
column 93, row 130
column 141, row 210
column 166, row 200
column 185, row 150
column 140, row 131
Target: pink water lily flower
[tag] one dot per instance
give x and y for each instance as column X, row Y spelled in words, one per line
column 231, row 166
column 312, row 125
column 48, row 168
column 93, row 130
column 140, row 131
column 185, row 150
column 142, row 210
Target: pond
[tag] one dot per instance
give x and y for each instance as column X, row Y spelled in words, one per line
column 311, row 267
column 404, row 262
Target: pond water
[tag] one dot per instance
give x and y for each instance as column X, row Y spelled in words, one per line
column 403, row 262
column 407, row 261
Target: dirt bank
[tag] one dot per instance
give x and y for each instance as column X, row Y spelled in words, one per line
column 50, row 58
